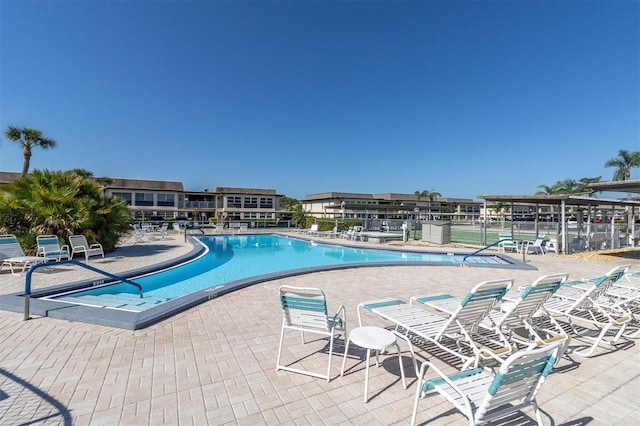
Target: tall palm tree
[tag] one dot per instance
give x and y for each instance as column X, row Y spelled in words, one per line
column 430, row 195
column 625, row 161
column 28, row 138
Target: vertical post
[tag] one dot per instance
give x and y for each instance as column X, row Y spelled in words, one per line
column 563, row 227
column 27, row 307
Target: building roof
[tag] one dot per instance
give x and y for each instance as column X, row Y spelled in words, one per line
column 152, row 185
column 251, row 191
column 338, row 195
column 6, row 177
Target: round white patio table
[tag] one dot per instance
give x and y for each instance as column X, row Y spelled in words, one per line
column 372, row 339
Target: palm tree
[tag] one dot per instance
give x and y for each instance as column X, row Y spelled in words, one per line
column 28, row 138
column 62, row 204
column 625, row 161
column 430, row 195
column 299, row 215
column 547, row 190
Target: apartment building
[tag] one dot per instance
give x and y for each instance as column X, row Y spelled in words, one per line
column 345, row 205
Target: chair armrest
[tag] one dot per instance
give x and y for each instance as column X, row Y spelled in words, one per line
column 495, row 354
column 65, row 248
column 450, row 380
column 41, row 251
column 96, row 245
column 343, row 317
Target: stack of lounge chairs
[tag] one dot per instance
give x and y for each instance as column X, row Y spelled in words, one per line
column 506, row 339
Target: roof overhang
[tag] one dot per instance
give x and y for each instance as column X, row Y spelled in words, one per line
column 571, row 200
column 616, row 186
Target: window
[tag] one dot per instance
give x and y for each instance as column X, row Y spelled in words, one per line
column 266, row 203
column 250, row 215
column 144, row 199
column 126, row 196
column 250, row 202
column 167, row 200
column 266, row 215
column 234, row 202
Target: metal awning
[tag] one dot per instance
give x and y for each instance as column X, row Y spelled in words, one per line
column 568, row 199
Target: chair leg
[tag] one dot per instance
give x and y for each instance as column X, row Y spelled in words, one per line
column 331, row 337
column 344, row 357
column 280, row 349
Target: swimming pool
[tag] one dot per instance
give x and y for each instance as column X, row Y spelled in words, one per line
column 233, row 261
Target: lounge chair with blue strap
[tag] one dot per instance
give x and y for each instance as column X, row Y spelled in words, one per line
column 484, row 396
column 305, row 309
column 519, row 313
column 49, row 248
column 591, row 313
column 12, row 255
column 457, row 333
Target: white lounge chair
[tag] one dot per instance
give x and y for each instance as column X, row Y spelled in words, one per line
column 79, row 245
column 458, row 333
column 12, row 255
column 305, row 309
column 518, row 315
column 591, row 314
column 482, row 395
column 49, row 248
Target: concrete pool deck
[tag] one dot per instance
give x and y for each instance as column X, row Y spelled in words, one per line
column 215, row 363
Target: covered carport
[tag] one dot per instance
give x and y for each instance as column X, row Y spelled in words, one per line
column 584, row 209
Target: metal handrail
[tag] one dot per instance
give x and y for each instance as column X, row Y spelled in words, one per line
column 27, row 283
column 484, row 248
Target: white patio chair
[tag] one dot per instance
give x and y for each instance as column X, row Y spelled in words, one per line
column 49, row 248
column 507, row 243
column 305, row 309
column 482, row 395
column 79, row 245
column 536, row 246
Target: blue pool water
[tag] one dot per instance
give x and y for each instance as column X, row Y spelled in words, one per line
column 231, row 258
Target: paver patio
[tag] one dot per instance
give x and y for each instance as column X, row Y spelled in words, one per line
column 215, row 363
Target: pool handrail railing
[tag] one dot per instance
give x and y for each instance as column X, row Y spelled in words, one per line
column 484, row 248
column 27, row 281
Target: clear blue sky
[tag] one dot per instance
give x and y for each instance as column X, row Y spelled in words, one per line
column 464, row 98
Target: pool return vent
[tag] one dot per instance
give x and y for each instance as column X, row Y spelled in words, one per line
column 27, row 285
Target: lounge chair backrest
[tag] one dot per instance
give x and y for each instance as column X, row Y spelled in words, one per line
column 519, row 379
column 304, row 307
column 535, row 294
column 10, row 247
column 601, row 286
column 476, row 305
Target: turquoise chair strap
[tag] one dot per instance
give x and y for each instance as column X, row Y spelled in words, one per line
column 433, row 298
column 371, row 306
column 433, row 382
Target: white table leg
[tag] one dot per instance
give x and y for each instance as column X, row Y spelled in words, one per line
column 366, row 377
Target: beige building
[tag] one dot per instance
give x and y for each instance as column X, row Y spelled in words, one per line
column 389, row 206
